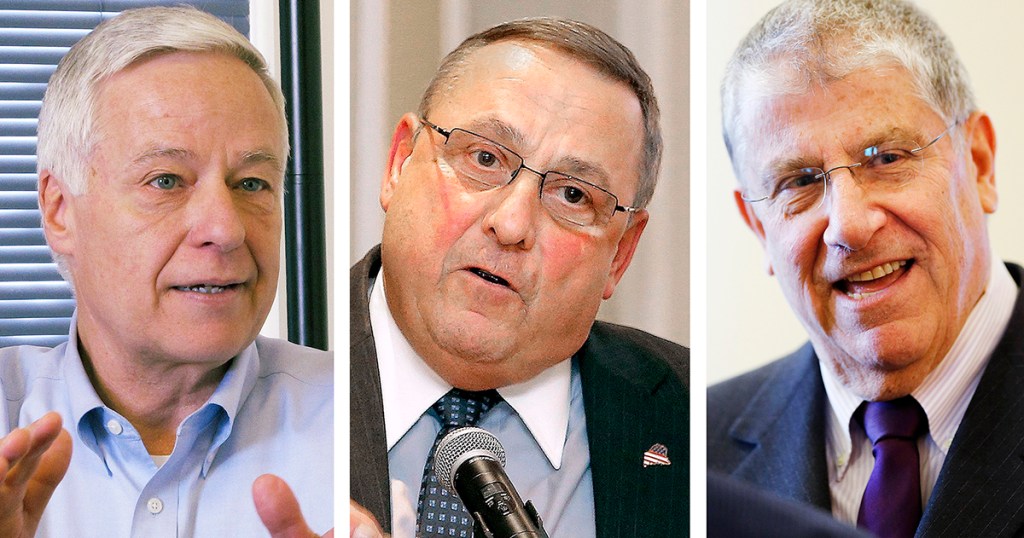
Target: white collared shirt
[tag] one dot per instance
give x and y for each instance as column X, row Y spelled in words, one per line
column 944, row 395
column 540, row 424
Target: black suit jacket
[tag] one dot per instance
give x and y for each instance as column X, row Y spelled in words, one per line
column 634, row 395
column 767, row 427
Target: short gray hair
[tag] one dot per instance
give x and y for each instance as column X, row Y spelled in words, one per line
column 803, row 42
column 65, row 132
column 585, row 43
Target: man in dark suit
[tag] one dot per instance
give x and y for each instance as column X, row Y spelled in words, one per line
column 867, row 173
column 515, row 199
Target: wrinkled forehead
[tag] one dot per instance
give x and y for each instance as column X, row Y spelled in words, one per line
column 559, row 108
column 781, row 114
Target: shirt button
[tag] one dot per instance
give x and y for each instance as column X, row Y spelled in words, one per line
column 114, row 427
column 155, row 505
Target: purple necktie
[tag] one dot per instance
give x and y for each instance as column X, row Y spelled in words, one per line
column 891, row 506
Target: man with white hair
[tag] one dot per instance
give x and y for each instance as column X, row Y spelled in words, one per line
column 867, row 172
column 162, row 147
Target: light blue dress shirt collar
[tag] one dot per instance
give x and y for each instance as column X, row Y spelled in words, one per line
column 88, row 410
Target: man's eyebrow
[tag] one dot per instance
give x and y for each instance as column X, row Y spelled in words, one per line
column 512, row 137
column 583, row 169
column 158, row 153
column 853, row 148
column 505, row 133
column 256, row 156
column 259, row 156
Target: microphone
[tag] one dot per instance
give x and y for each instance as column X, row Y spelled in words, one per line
column 470, row 461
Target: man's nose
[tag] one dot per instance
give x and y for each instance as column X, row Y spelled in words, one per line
column 512, row 217
column 853, row 216
column 214, row 217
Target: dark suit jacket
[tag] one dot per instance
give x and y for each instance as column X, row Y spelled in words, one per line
column 634, row 395
column 768, row 427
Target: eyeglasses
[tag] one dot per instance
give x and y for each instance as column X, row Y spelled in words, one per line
column 885, row 167
column 483, row 164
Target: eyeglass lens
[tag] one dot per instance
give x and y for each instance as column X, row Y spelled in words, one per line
column 483, row 164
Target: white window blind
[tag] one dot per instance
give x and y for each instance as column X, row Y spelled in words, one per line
column 35, row 303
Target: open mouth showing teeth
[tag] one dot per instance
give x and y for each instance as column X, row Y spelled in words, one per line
column 874, row 280
column 492, row 278
column 205, row 288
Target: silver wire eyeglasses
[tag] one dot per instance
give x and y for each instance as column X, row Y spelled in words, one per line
column 483, row 164
column 884, row 167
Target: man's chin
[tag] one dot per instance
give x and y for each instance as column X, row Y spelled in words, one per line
column 880, row 373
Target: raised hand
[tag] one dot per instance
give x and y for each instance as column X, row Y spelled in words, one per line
column 33, row 461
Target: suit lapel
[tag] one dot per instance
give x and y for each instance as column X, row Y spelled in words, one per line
column 784, row 425
column 368, row 455
column 980, row 491
column 632, row 403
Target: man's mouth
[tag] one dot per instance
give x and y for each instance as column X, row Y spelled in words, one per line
column 490, row 277
column 206, row 289
column 874, row 280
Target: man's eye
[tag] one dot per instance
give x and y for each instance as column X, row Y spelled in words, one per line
column 574, row 195
column 166, row 182
column 485, row 159
column 889, row 158
column 800, row 180
column 251, row 184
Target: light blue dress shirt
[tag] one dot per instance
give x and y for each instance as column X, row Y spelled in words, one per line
column 564, row 497
column 272, row 413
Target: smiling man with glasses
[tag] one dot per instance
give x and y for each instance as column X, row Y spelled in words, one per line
column 867, row 173
column 490, row 275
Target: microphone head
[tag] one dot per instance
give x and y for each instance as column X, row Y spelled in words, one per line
column 461, row 444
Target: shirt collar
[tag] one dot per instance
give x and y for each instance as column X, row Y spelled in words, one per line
column 229, row 395
column 945, row 393
column 409, row 387
column 82, row 397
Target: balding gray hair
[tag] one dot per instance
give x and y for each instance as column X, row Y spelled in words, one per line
column 582, row 42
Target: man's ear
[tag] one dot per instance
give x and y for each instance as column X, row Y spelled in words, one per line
column 754, row 224
column 56, row 208
column 624, row 252
column 982, row 142
column 402, row 143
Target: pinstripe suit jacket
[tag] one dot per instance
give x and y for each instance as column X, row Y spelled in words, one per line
column 634, row 396
column 768, row 427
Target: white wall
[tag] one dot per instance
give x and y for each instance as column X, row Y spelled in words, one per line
column 397, row 44
column 749, row 321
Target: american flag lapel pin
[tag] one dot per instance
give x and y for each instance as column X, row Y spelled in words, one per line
column 656, row 455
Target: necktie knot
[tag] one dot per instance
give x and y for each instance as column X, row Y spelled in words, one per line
column 460, row 407
column 901, row 418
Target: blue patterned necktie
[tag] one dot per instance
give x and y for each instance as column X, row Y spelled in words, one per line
column 891, row 507
column 441, row 513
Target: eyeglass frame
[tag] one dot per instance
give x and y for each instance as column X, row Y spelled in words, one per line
column 827, row 174
column 446, row 133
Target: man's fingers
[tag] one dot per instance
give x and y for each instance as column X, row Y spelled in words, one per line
column 362, row 524
column 51, row 469
column 279, row 509
column 27, row 446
